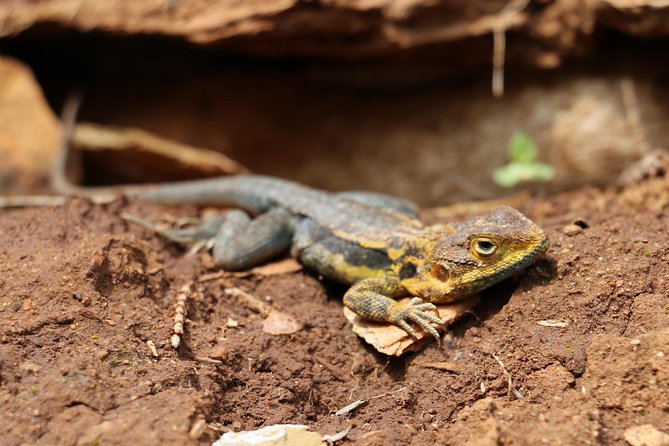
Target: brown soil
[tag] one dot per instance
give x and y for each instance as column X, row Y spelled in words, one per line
column 81, row 293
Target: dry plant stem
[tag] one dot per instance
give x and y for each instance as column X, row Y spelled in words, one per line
column 498, row 53
column 337, row 437
column 207, row 360
column 22, row 201
column 553, row 323
column 354, row 405
column 351, row 407
column 499, row 44
column 211, row 276
column 180, row 314
column 249, row 301
column 632, row 111
column 510, row 389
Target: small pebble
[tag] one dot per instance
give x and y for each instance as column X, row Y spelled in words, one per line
column 152, row 348
column 218, row 352
column 572, row 229
column 197, row 429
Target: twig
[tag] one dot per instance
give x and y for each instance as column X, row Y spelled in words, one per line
column 63, row 159
column 250, row 301
column 211, row 276
column 510, row 389
column 354, row 405
column 632, row 111
column 336, row 437
column 499, row 44
column 23, row 201
column 208, row 360
column 552, row 323
column 338, row 374
column 351, row 407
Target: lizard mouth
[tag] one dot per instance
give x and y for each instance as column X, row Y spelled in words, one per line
column 529, row 258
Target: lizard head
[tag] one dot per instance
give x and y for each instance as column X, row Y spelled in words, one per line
column 476, row 254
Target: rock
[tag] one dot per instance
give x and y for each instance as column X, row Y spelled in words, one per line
column 642, row 18
column 276, row 435
column 30, row 132
column 340, row 28
column 572, row 229
column 646, row 435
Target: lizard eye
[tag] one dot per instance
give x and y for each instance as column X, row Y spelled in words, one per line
column 483, row 247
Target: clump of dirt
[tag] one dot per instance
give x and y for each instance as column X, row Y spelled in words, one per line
column 572, row 352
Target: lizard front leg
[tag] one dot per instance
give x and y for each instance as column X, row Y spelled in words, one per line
column 242, row 243
column 237, row 241
column 372, row 299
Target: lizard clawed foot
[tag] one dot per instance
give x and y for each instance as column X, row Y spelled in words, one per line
column 419, row 312
column 203, row 234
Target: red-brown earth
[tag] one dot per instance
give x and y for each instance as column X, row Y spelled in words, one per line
column 81, row 293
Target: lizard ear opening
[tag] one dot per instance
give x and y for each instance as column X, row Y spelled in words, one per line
column 441, row 272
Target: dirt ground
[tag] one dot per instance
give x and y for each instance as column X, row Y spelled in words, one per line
column 584, row 336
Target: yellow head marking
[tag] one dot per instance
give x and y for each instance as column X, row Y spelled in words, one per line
column 481, row 252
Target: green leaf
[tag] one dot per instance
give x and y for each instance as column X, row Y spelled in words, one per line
column 507, row 176
column 515, row 173
column 542, row 172
column 521, row 148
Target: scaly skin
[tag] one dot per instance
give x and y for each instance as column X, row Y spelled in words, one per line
column 372, row 242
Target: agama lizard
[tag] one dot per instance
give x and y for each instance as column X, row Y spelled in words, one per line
column 373, row 242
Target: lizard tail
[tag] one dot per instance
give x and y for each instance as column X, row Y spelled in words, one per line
column 233, row 191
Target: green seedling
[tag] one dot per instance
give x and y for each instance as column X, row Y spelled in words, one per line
column 523, row 165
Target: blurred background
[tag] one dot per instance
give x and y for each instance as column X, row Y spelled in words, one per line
column 433, row 100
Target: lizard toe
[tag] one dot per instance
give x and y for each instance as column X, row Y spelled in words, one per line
column 423, row 320
column 419, row 313
column 419, row 304
column 426, row 307
column 406, row 327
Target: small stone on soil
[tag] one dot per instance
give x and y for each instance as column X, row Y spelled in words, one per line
column 572, row 229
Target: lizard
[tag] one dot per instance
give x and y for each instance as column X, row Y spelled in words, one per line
column 372, row 242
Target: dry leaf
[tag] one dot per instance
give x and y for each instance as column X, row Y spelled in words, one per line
column 392, row 340
column 280, row 323
column 289, row 265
